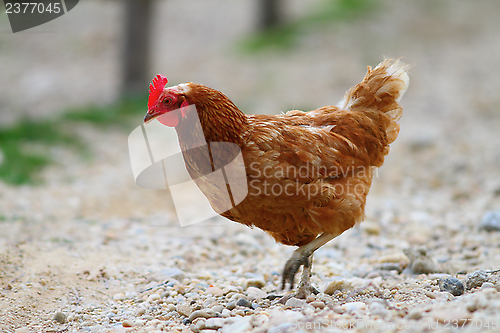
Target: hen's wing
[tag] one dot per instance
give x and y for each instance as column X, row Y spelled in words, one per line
column 303, row 179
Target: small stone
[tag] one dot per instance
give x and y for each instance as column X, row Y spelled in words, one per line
column 310, row 298
column 153, row 297
column 318, row 304
column 179, row 289
column 228, row 289
column 198, row 325
column 429, row 294
column 420, row 262
column 332, row 286
column 338, row 309
column 451, row 284
column 478, row 302
column 258, row 293
column 239, row 326
column 198, row 314
column 231, row 305
column 470, row 254
column 295, row 303
column 226, row 313
column 214, row 291
column 22, row 330
column 489, row 291
column 308, row 309
column 243, row 302
column 272, row 297
column 354, row 306
column 139, row 322
column 184, row 309
column 119, row 297
column 373, row 274
column 444, row 296
column 167, row 273
column 60, row 317
column 127, row 323
column 377, row 308
column 217, row 308
column 476, row 279
column 414, row 314
column 140, row 312
column 487, row 285
column 257, row 283
column 214, row 323
column 490, row 221
column 390, row 266
column 371, row 228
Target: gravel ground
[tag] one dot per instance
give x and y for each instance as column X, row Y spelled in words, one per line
column 90, row 251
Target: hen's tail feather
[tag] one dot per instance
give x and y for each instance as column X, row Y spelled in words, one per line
column 381, row 89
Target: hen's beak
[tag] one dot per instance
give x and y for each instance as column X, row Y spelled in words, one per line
column 148, row 118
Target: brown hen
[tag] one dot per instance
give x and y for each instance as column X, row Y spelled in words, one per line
column 308, row 173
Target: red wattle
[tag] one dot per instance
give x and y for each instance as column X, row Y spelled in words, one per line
column 170, row 119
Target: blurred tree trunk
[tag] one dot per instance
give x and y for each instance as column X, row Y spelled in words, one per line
column 136, row 50
column 270, row 13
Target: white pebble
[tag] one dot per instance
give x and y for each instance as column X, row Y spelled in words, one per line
column 414, row 314
column 295, row 303
column 22, row 330
column 239, row 326
column 119, row 297
column 153, row 297
column 214, row 323
column 139, row 322
column 354, row 306
column 255, row 293
column 127, row 323
column 338, row 284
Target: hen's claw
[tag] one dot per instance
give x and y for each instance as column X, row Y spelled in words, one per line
column 291, row 268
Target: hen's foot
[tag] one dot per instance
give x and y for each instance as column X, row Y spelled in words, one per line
column 292, row 266
column 302, row 292
column 305, row 287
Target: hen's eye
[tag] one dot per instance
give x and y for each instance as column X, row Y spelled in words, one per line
column 168, row 101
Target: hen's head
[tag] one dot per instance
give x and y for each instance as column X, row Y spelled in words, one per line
column 166, row 103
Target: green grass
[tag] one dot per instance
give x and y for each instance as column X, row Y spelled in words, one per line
column 283, row 37
column 25, row 146
column 117, row 114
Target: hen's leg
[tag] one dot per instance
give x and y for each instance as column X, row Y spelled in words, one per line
column 303, row 256
column 305, row 287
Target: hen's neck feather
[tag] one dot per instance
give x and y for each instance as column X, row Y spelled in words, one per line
column 220, row 118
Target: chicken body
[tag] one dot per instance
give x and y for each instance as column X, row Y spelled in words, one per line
column 308, row 173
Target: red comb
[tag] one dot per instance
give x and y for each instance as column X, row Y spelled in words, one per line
column 156, row 88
